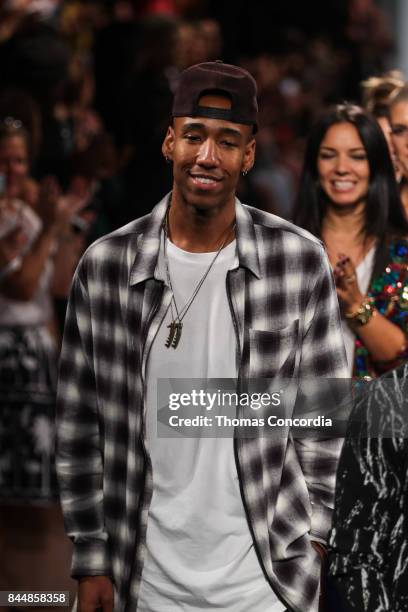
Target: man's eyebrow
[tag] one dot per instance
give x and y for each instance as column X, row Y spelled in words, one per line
column 192, row 125
column 196, row 125
column 232, row 132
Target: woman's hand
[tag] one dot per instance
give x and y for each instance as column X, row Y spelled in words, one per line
column 348, row 291
column 384, row 340
column 57, row 209
column 12, row 245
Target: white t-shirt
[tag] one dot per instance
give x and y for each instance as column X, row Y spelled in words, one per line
column 200, row 553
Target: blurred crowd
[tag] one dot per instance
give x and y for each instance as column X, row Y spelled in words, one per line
column 86, row 89
column 92, row 83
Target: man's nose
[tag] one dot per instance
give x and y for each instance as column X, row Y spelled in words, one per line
column 208, row 153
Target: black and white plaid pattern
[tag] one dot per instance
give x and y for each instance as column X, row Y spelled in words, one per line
column 285, row 313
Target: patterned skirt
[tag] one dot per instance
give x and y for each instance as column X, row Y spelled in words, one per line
column 28, row 374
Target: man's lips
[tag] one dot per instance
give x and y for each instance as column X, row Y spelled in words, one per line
column 205, row 181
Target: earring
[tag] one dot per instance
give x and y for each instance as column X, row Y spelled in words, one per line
column 168, row 160
column 244, row 172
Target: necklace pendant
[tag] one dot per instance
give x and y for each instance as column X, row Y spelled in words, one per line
column 177, row 334
column 174, row 334
column 170, row 337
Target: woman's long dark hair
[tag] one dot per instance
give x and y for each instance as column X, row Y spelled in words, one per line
column 384, row 214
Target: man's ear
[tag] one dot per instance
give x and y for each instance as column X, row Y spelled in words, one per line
column 249, row 155
column 168, row 143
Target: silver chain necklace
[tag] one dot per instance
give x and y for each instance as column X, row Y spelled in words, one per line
column 176, row 325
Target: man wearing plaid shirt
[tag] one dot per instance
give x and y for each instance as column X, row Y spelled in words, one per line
column 202, row 287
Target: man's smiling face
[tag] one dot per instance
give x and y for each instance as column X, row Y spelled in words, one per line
column 208, row 156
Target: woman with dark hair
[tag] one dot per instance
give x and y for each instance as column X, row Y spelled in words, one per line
column 349, row 198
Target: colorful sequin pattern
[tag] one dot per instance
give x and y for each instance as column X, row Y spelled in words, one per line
column 389, row 291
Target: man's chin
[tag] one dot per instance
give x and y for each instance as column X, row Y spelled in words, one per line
column 206, row 204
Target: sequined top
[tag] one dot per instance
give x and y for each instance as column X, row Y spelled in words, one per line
column 389, row 292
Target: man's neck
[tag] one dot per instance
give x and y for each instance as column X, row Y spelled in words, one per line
column 197, row 230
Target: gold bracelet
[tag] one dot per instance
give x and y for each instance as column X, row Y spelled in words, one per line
column 363, row 313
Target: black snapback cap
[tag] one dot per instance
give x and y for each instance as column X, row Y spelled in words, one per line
column 216, row 77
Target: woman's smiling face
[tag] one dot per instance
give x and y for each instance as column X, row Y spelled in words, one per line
column 342, row 165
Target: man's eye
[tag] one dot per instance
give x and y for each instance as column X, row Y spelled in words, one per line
column 228, row 143
column 192, row 137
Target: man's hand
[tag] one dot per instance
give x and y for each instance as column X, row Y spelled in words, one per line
column 95, row 592
column 321, row 550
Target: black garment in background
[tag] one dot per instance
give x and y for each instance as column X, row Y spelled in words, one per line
column 146, row 115
column 115, row 54
column 368, row 555
column 250, row 28
column 57, row 146
column 134, row 97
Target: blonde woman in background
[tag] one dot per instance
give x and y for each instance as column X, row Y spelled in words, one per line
column 377, row 94
column 399, row 134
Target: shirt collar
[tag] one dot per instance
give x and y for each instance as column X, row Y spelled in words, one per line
column 145, row 265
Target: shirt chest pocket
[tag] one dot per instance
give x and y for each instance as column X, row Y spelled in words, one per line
column 274, row 352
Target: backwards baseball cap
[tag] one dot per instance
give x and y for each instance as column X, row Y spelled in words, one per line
column 216, row 77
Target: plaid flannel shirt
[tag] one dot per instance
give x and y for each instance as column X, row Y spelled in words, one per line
column 285, row 314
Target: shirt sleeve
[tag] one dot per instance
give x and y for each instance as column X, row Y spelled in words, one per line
column 79, row 454
column 322, row 356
